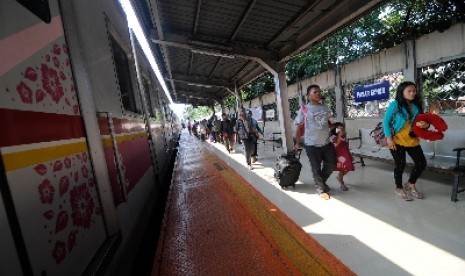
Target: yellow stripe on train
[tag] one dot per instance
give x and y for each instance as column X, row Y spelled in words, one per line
column 22, row 159
column 122, row 138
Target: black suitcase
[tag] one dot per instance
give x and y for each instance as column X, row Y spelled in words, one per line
column 287, row 170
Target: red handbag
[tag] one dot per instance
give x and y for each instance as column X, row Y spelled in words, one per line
column 430, row 134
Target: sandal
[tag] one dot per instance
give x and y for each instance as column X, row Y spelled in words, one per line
column 415, row 193
column 326, row 188
column 325, row 196
column 403, row 196
column 343, row 185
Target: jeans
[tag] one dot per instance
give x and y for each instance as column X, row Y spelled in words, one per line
column 248, row 146
column 323, row 162
column 255, row 146
column 416, row 153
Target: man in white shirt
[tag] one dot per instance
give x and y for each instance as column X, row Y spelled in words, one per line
column 313, row 123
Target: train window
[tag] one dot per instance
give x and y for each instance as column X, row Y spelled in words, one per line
column 40, row 8
column 124, row 76
column 147, row 92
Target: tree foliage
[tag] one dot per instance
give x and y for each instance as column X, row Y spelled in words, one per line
column 386, row 27
column 230, row 101
column 199, row 112
column 259, row 87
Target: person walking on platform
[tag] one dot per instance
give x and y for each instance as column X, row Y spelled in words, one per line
column 257, row 129
column 344, row 158
column 203, row 130
column 216, row 126
column 189, row 126
column 227, row 132
column 314, row 119
column 398, row 129
column 248, row 134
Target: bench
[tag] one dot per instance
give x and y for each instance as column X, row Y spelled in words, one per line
column 276, row 138
column 442, row 155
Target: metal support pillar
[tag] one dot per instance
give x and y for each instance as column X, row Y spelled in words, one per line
column 282, row 104
column 410, row 71
column 339, row 96
column 223, row 110
column 300, row 92
column 238, row 94
column 213, row 108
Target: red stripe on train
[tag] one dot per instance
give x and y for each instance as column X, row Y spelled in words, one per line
column 27, row 127
column 120, row 125
column 136, row 161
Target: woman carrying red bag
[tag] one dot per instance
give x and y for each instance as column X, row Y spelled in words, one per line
column 398, row 127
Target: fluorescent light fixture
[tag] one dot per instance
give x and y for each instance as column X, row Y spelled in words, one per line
column 134, row 24
column 199, row 85
column 210, row 53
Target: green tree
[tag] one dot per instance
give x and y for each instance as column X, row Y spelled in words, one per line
column 199, row 112
column 260, row 86
column 385, row 27
column 230, row 101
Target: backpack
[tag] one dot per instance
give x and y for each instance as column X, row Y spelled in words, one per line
column 287, row 170
column 378, row 134
column 216, row 125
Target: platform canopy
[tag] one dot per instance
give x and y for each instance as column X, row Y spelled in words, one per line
column 206, row 48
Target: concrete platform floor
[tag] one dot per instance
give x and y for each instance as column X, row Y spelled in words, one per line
column 368, row 228
column 217, row 224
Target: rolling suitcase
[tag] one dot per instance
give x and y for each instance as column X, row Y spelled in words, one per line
column 287, row 170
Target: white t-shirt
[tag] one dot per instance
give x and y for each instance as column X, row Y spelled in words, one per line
column 316, row 124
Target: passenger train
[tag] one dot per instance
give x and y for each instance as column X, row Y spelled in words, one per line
column 87, row 138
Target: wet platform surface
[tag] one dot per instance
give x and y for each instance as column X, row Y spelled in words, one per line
column 216, row 223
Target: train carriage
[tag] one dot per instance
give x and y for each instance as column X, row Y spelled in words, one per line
column 87, row 136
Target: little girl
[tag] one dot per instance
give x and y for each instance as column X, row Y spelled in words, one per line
column 343, row 157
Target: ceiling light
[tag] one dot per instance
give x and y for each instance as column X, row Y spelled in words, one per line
column 210, row 53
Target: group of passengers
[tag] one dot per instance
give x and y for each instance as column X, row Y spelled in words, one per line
column 206, row 129
column 327, row 148
column 325, row 142
column 244, row 129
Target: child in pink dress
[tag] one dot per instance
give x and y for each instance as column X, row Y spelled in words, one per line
column 343, row 156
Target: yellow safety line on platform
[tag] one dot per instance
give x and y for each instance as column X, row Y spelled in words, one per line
column 310, row 257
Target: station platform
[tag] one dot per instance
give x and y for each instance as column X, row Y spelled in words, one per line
column 222, row 218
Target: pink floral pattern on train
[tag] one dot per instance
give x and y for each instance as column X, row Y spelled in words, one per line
column 52, row 80
column 71, row 205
